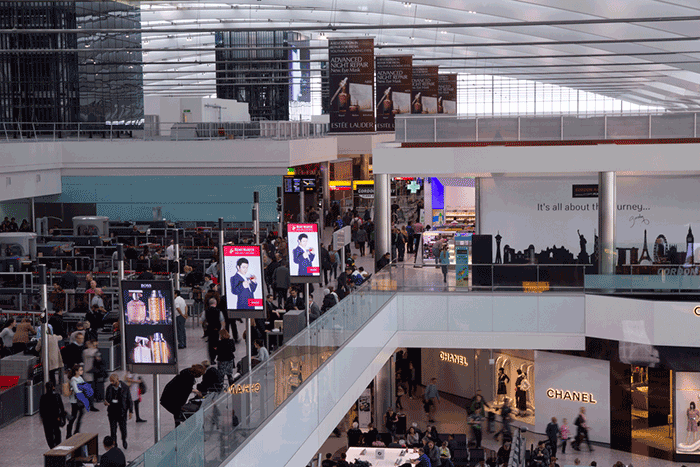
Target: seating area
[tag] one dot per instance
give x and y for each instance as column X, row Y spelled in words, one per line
column 462, row 454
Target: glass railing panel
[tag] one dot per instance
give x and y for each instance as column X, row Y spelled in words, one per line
column 637, row 283
column 189, row 438
column 163, row 453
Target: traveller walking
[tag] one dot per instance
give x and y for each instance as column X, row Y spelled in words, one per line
column 581, row 431
column 553, row 433
column 118, row 401
column 78, row 400
column 181, row 319
column 430, row 399
column 53, row 415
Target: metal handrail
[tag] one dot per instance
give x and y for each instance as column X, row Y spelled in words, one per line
column 564, row 127
column 161, row 131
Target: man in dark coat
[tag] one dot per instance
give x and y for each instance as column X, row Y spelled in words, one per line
column 118, row 401
column 215, row 321
column 51, row 411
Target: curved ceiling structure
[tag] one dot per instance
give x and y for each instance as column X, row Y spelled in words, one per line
column 646, row 51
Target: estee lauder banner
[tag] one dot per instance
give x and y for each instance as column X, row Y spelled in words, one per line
column 351, row 79
column 424, row 95
column 447, row 94
column 394, row 82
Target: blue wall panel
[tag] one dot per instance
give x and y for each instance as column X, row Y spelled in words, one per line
column 183, row 198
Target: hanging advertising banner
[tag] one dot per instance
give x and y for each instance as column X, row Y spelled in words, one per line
column 447, row 94
column 394, row 82
column 304, row 258
column 244, row 281
column 351, row 81
column 424, row 92
column 151, row 346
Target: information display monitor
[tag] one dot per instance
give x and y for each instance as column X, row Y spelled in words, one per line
column 304, row 256
column 150, row 334
column 243, row 273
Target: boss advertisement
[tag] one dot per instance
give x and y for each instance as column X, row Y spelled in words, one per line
column 244, row 281
column 394, row 82
column 351, row 80
column 424, row 90
column 447, row 94
column 149, row 326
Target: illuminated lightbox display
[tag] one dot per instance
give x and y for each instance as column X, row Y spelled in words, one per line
column 304, row 258
column 149, row 326
column 244, row 281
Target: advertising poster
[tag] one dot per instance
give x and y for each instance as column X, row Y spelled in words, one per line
column 462, row 244
column 394, row 82
column 424, row 92
column 447, row 94
column 149, row 326
column 244, row 281
column 557, row 216
column 351, row 81
column 304, row 258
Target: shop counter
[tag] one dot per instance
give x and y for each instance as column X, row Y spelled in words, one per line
column 110, row 348
column 12, row 399
column 382, row 457
column 78, row 448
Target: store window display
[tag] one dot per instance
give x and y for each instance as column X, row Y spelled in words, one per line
column 687, row 415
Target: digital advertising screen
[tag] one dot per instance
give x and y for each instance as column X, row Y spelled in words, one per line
column 151, row 345
column 304, row 258
column 244, row 281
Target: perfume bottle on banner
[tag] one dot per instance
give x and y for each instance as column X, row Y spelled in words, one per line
column 136, row 310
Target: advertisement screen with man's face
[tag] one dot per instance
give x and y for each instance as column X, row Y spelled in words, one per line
column 244, row 281
column 304, row 256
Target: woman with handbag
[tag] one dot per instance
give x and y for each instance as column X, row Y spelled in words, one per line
column 53, row 415
column 76, row 404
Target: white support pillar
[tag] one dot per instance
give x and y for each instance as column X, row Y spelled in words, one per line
column 607, row 216
column 382, row 215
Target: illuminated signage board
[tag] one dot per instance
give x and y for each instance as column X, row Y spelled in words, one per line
column 453, row 358
column 338, row 185
column 535, row 287
column 574, row 396
column 243, row 388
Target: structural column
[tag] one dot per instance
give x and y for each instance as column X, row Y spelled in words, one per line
column 383, row 391
column 477, row 205
column 326, row 176
column 427, row 202
column 382, row 215
column 607, row 216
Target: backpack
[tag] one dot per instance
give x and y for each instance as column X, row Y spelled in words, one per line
column 66, row 389
column 142, row 387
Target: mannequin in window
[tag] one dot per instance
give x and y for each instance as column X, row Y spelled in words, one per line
column 693, row 417
column 522, row 385
column 502, row 391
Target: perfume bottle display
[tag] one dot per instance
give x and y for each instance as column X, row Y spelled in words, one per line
column 152, row 349
column 135, row 309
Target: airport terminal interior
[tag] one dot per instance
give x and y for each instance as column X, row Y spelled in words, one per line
column 349, row 233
